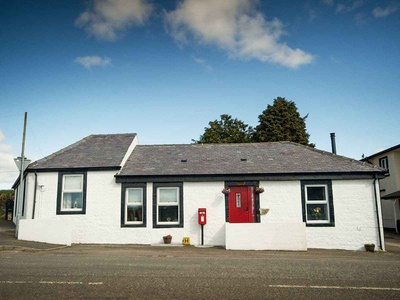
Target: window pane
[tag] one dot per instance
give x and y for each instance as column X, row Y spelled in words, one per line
column 317, row 212
column 316, row 193
column 134, row 213
column 134, row 195
column 168, row 195
column 73, row 182
column 238, row 200
column 72, row 200
column 168, row 214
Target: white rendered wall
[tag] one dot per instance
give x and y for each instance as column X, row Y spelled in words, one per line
column 355, row 218
column 283, row 199
column 101, row 223
column 45, row 231
column 266, row 236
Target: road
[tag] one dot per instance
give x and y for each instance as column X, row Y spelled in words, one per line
column 145, row 272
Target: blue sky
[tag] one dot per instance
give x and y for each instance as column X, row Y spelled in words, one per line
column 164, row 69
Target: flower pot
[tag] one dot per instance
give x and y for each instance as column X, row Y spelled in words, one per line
column 369, row 247
column 167, row 240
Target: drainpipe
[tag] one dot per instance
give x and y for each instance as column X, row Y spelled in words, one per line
column 333, row 142
column 34, row 197
column 377, row 214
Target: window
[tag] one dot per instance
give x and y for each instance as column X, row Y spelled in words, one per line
column 168, row 205
column 317, row 203
column 71, row 198
column 383, row 163
column 133, row 205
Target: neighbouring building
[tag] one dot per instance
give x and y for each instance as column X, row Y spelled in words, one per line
column 389, row 160
column 279, row 196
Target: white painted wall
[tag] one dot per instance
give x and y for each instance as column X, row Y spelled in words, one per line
column 355, row 217
column 266, row 236
column 45, row 231
column 283, row 198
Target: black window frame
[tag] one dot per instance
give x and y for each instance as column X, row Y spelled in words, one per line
column 60, row 191
column 126, row 186
column 328, row 183
column 155, row 206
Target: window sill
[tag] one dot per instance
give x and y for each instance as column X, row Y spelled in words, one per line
column 133, row 225
column 320, row 224
column 71, row 212
column 168, row 226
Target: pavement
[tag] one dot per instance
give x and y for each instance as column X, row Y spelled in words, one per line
column 9, row 242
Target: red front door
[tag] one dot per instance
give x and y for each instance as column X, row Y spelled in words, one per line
column 241, row 204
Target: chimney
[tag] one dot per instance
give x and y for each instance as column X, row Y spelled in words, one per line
column 333, row 142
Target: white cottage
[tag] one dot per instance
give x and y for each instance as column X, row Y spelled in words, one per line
column 281, row 196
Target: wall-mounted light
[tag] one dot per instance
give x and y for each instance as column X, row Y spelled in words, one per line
column 42, row 188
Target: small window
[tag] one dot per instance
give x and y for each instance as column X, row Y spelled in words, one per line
column 71, row 193
column 167, row 205
column 133, row 205
column 383, row 163
column 317, row 203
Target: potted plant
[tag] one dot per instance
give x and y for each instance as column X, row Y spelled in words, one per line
column 317, row 212
column 226, row 191
column 259, row 190
column 167, row 239
column 369, row 247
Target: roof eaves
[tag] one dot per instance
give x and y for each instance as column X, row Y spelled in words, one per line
column 381, row 152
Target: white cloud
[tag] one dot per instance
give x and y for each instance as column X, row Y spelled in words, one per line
column 343, row 8
column 236, row 27
column 93, row 61
column 8, row 169
column 104, row 19
column 379, row 12
column 202, row 62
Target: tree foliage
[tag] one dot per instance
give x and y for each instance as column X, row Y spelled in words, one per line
column 226, row 130
column 5, row 195
column 278, row 122
column 282, row 122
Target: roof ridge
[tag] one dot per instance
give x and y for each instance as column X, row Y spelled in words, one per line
column 105, row 134
column 216, row 144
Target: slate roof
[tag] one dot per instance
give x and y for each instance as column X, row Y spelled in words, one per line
column 94, row 151
column 250, row 158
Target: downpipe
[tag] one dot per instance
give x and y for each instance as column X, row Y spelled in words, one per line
column 377, row 214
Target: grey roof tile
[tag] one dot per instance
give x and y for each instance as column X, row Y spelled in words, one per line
column 250, row 158
column 94, row 151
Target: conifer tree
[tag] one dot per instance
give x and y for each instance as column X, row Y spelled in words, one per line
column 282, row 122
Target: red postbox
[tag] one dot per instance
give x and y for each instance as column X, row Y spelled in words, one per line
column 202, row 216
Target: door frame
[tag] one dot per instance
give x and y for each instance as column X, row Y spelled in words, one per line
column 257, row 198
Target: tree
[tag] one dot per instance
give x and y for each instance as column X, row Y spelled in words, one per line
column 5, row 195
column 226, row 130
column 282, row 122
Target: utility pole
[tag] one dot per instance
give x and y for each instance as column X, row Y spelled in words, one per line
column 21, row 170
